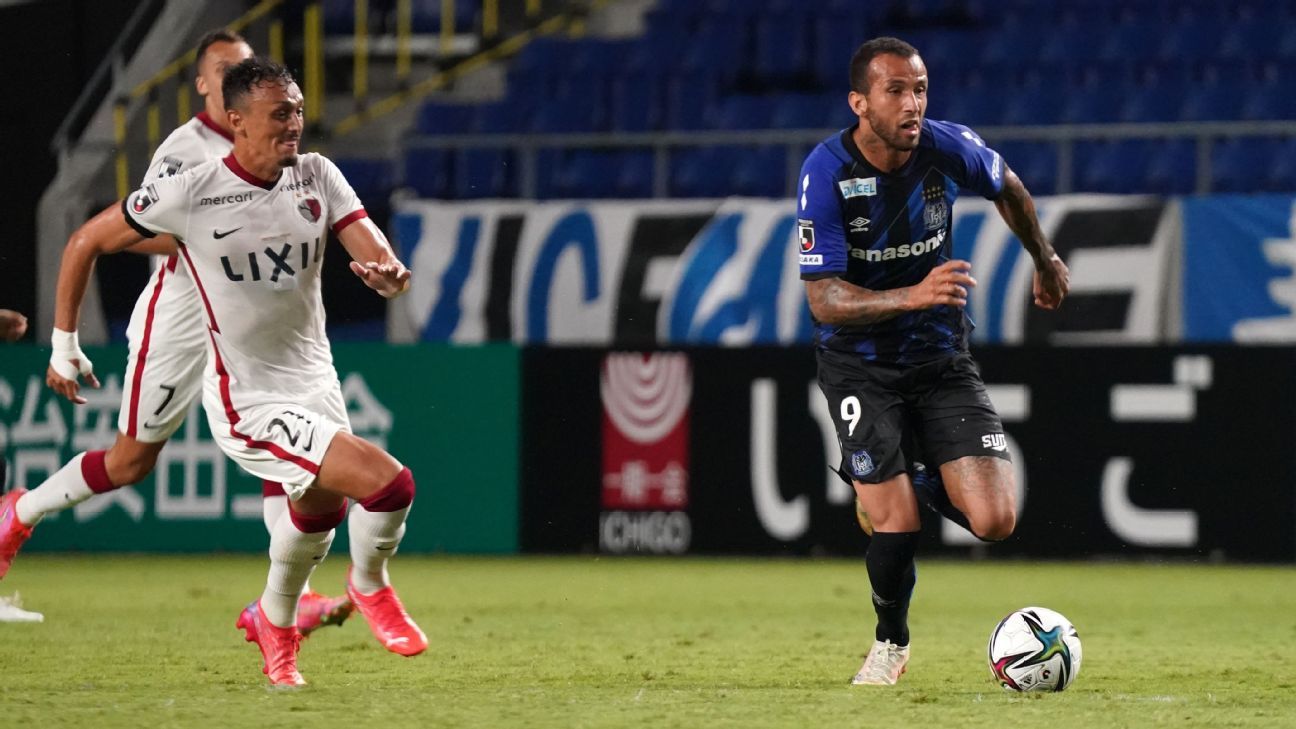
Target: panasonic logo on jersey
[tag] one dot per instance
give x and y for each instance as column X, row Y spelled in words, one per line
column 225, row 199
column 921, row 248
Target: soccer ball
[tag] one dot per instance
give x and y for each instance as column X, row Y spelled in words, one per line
column 1034, row 649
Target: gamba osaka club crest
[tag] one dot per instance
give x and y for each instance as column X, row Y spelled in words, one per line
column 310, row 209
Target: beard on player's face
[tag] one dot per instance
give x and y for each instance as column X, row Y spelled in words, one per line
column 893, row 134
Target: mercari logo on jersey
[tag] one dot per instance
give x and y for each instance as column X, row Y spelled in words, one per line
column 921, row 248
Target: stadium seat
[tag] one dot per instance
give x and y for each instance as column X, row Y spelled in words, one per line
column 701, row 171
column 801, row 111
column 742, row 112
column 485, row 173
column 1171, row 167
column 637, row 102
column 438, row 118
column 760, row 172
column 429, row 172
column 1281, row 176
column 1034, row 162
column 1207, row 103
column 1090, row 106
column 370, row 178
column 1112, row 167
column 781, row 46
column 1241, row 164
column 502, row 117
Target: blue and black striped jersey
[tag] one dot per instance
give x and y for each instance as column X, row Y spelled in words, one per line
column 888, row 230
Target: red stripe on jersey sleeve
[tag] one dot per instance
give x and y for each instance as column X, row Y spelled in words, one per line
column 348, row 219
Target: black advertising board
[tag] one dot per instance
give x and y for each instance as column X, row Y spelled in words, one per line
column 1119, row 451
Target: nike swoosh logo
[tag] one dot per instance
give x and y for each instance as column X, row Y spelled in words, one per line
column 393, row 641
column 384, row 549
column 218, row 235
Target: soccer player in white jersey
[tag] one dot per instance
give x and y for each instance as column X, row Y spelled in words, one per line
column 251, row 228
column 168, row 349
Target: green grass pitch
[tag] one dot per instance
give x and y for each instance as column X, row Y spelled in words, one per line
column 586, row 642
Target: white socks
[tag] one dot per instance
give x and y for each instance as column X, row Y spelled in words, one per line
column 65, row 489
column 273, row 507
column 293, row 556
column 375, row 535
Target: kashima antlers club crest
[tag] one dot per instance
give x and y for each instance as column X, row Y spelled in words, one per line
column 309, row 209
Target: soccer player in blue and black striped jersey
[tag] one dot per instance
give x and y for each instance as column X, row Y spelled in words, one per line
column 891, row 334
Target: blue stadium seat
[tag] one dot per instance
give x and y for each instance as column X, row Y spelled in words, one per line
column 1207, row 103
column 1191, row 40
column 502, row 117
column 426, row 16
column 760, row 172
column 1113, row 167
column 1133, row 41
column 781, row 46
column 1246, row 39
column 595, row 174
column 370, row 178
column 1241, row 164
column 701, row 171
column 637, row 102
column 1042, row 104
column 1171, row 167
column 568, row 113
column 688, row 96
column 803, row 111
column 742, row 112
column 1034, row 162
column 1158, row 103
column 438, row 118
column 484, row 173
column 1091, row 106
column 429, row 172
column 1281, row 175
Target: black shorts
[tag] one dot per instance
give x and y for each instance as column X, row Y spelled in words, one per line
column 889, row 416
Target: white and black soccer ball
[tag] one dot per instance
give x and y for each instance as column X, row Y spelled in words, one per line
column 1034, row 649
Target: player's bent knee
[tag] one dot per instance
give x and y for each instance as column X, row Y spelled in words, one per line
column 994, row 527
column 396, row 495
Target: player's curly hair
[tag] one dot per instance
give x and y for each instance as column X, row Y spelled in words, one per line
column 864, row 55
column 248, row 74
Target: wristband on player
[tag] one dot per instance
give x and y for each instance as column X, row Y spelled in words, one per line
column 67, row 348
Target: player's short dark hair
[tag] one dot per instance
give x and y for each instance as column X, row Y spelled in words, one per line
column 219, row 35
column 864, row 55
column 248, row 74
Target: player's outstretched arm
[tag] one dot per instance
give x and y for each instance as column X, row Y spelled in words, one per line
column 835, row 301
column 372, row 259
column 107, row 232
column 1052, row 278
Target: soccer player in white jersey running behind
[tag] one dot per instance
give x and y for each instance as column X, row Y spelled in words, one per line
column 251, row 228
column 167, row 336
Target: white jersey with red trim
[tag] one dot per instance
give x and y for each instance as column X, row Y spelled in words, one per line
column 167, row 333
column 255, row 249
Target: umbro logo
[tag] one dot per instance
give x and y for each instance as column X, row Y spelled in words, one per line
column 218, row 235
column 859, row 225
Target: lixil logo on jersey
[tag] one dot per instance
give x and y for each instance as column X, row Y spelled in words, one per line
column 646, row 400
column 309, row 209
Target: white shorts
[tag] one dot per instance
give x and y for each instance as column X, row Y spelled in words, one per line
column 168, row 349
column 283, row 442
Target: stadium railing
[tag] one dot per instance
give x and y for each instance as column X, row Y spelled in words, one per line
column 797, row 142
